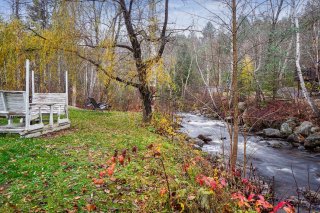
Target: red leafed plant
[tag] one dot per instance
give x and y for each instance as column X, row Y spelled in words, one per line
column 260, row 204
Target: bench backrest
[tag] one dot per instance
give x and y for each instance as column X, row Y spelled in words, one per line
column 3, row 108
column 59, row 100
column 13, row 102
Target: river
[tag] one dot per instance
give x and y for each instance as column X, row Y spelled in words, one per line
column 269, row 161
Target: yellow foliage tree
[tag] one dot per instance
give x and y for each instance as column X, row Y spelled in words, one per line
column 246, row 75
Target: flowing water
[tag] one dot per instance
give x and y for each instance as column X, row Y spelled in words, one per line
column 277, row 162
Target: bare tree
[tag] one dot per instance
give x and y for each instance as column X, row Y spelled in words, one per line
column 234, row 87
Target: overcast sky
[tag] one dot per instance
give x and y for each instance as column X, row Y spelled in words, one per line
column 182, row 13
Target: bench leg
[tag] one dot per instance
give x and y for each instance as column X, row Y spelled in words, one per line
column 40, row 115
column 51, row 116
column 10, row 120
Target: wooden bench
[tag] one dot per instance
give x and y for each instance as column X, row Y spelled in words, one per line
column 50, row 104
column 16, row 104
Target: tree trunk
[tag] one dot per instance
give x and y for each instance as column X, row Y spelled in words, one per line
column 146, row 96
column 74, row 94
column 235, row 92
column 302, row 84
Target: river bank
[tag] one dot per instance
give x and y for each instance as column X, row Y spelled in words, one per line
column 282, row 120
column 286, row 164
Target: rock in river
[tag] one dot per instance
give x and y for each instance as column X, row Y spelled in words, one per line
column 304, row 128
column 312, row 141
column 272, row 133
column 198, row 142
column 295, row 138
column 285, row 129
column 205, row 139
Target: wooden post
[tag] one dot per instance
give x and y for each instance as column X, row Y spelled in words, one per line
column 32, row 83
column 51, row 116
column 27, row 119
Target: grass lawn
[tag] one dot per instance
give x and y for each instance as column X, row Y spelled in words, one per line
column 55, row 173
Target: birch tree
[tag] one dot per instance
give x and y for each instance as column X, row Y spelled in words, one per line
column 298, row 67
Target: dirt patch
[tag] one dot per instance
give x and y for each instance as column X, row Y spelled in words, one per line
column 60, row 133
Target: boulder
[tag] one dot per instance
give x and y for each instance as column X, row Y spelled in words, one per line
column 304, row 128
column 312, row 141
column 205, row 139
column 242, row 106
column 277, row 144
column 286, row 129
column 197, row 147
column 293, row 122
column 295, row 138
column 273, row 133
column 228, row 119
column 315, row 129
column 198, row 142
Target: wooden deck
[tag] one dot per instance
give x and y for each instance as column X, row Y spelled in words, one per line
column 36, row 131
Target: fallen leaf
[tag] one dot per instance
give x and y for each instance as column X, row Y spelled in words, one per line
column 115, row 153
column 121, row 159
column 98, row 181
column 163, row 191
column 191, row 197
column 91, row 207
column 124, row 152
column 134, row 149
column 113, row 179
column 102, row 174
column 110, row 169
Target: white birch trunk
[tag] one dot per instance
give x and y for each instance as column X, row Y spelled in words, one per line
column 299, row 72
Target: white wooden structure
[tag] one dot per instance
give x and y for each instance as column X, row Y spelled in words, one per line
column 17, row 104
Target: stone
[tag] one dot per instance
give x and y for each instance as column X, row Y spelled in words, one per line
column 312, row 141
column 295, row 138
column 312, row 196
column 241, row 106
column 197, row 147
column 205, row 139
column 286, row 129
column 304, row 128
column 198, row 142
column 296, row 144
column 229, row 119
column 315, row 129
column 278, row 144
column 293, row 200
column 270, row 132
column 293, row 122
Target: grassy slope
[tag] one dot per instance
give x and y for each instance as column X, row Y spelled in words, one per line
column 54, row 173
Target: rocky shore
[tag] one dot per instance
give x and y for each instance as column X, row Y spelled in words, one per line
column 299, row 134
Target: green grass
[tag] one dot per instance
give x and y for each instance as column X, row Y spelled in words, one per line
column 54, row 173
